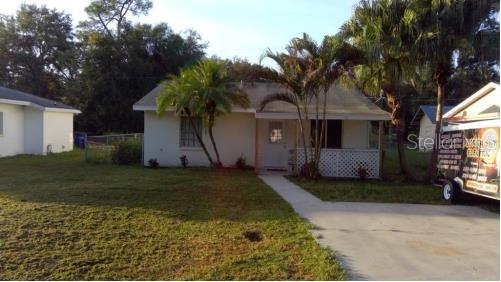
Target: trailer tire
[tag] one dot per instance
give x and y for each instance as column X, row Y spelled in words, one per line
column 450, row 191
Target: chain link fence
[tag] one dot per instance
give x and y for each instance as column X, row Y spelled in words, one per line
column 99, row 149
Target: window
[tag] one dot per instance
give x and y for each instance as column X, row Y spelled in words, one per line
column 276, row 132
column 332, row 135
column 188, row 137
column 1, row 123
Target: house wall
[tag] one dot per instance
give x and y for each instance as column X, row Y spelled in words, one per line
column 234, row 134
column 426, row 133
column 11, row 141
column 33, row 131
column 57, row 132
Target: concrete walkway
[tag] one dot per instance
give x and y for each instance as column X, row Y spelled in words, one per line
column 401, row 241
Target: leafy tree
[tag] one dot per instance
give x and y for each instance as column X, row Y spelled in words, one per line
column 206, row 91
column 37, row 51
column 104, row 13
column 445, row 28
column 386, row 32
column 122, row 62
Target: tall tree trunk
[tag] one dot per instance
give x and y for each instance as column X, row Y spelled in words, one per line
column 199, row 138
column 398, row 111
column 213, row 141
column 301, row 129
column 432, row 165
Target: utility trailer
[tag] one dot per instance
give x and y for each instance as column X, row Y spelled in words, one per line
column 469, row 160
column 468, row 147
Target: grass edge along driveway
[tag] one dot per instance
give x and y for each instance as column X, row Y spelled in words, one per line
column 61, row 219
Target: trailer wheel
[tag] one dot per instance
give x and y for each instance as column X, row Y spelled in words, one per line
column 450, row 192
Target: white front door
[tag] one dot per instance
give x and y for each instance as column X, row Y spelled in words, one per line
column 275, row 154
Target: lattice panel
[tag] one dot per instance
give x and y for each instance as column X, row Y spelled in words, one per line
column 344, row 162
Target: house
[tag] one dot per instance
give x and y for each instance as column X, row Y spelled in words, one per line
column 33, row 125
column 269, row 139
column 425, row 119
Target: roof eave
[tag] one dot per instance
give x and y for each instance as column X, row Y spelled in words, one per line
column 470, row 100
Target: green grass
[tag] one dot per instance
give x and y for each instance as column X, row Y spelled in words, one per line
column 371, row 191
column 392, row 189
column 417, row 163
column 61, row 219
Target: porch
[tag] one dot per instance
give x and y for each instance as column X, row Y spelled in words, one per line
column 351, row 147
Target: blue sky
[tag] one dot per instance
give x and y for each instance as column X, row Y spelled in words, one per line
column 232, row 28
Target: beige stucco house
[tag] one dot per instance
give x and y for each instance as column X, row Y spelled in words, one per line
column 269, row 138
column 34, row 125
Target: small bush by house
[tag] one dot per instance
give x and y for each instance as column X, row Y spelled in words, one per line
column 127, row 153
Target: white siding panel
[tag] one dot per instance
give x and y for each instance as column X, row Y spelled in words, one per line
column 426, row 134
column 33, row 131
column 234, row 134
column 58, row 132
column 11, row 141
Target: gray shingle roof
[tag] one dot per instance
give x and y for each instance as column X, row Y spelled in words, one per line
column 11, row 94
column 341, row 100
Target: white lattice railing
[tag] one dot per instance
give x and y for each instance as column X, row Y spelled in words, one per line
column 344, row 162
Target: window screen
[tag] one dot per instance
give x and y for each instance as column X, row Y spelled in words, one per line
column 187, row 134
column 332, row 135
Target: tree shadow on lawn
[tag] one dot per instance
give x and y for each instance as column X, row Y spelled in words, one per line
column 190, row 194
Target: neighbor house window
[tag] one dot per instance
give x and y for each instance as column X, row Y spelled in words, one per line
column 188, row 137
column 333, row 133
column 1, row 123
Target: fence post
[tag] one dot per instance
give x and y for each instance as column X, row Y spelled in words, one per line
column 85, row 146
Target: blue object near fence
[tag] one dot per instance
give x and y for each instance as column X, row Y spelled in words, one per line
column 79, row 139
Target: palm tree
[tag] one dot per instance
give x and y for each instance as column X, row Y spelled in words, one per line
column 205, row 91
column 216, row 95
column 328, row 63
column 297, row 86
column 177, row 93
column 385, row 31
column 308, row 70
column 445, row 28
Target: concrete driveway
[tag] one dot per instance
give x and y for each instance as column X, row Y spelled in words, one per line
column 401, row 241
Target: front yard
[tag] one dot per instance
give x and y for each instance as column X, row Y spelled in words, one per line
column 61, row 219
column 392, row 188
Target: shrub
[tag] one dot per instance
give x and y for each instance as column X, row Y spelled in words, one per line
column 127, row 152
column 153, row 163
column 241, row 162
column 310, row 171
column 362, row 172
column 184, row 161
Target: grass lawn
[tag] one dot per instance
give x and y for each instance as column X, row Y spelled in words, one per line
column 61, row 219
column 371, row 191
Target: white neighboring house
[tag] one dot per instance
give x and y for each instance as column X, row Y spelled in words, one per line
column 34, row 125
column 269, row 139
column 425, row 117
